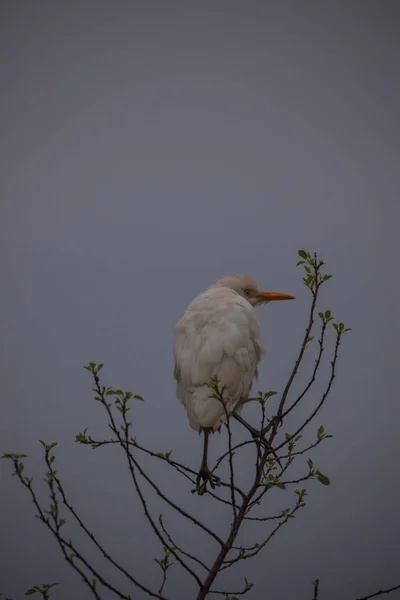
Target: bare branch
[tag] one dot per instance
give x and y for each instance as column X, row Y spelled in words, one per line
column 132, row 462
column 380, row 593
column 314, row 374
column 226, row 454
column 324, row 396
column 316, row 589
column 227, row 564
column 194, row 558
column 63, row 543
column 95, row 541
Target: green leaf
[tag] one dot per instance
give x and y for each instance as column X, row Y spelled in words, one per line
column 327, row 314
column 12, row 456
column 303, row 254
column 30, row 592
column 323, row 478
column 320, row 431
column 281, row 486
column 301, row 262
column 137, row 397
column 308, row 281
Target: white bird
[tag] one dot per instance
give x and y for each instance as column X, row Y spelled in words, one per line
column 218, row 336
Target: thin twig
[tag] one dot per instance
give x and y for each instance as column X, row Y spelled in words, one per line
column 226, row 454
column 293, row 481
column 132, row 464
column 224, row 593
column 324, row 396
column 178, row 466
column 314, row 374
column 227, row 564
column 316, row 589
column 258, row 498
column 94, row 540
column 63, row 543
column 299, row 452
column 380, row 593
column 263, row 518
column 163, row 582
column 194, row 558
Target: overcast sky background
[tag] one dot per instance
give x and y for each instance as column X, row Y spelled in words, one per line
column 148, row 148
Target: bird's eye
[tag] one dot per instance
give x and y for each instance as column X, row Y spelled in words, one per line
column 247, row 292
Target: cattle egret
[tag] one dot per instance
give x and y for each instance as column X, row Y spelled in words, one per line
column 218, row 336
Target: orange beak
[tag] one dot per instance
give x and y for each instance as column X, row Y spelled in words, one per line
column 269, row 296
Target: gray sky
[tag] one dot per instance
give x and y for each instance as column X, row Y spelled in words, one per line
column 148, row 148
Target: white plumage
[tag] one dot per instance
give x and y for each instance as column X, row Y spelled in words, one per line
column 218, row 335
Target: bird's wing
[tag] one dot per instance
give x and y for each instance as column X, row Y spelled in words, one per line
column 218, row 336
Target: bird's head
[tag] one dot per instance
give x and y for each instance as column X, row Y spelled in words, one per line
column 246, row 287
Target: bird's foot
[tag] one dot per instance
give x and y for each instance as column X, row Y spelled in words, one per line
column 206, row 476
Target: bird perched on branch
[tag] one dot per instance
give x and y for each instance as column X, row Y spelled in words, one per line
column 218, row 336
